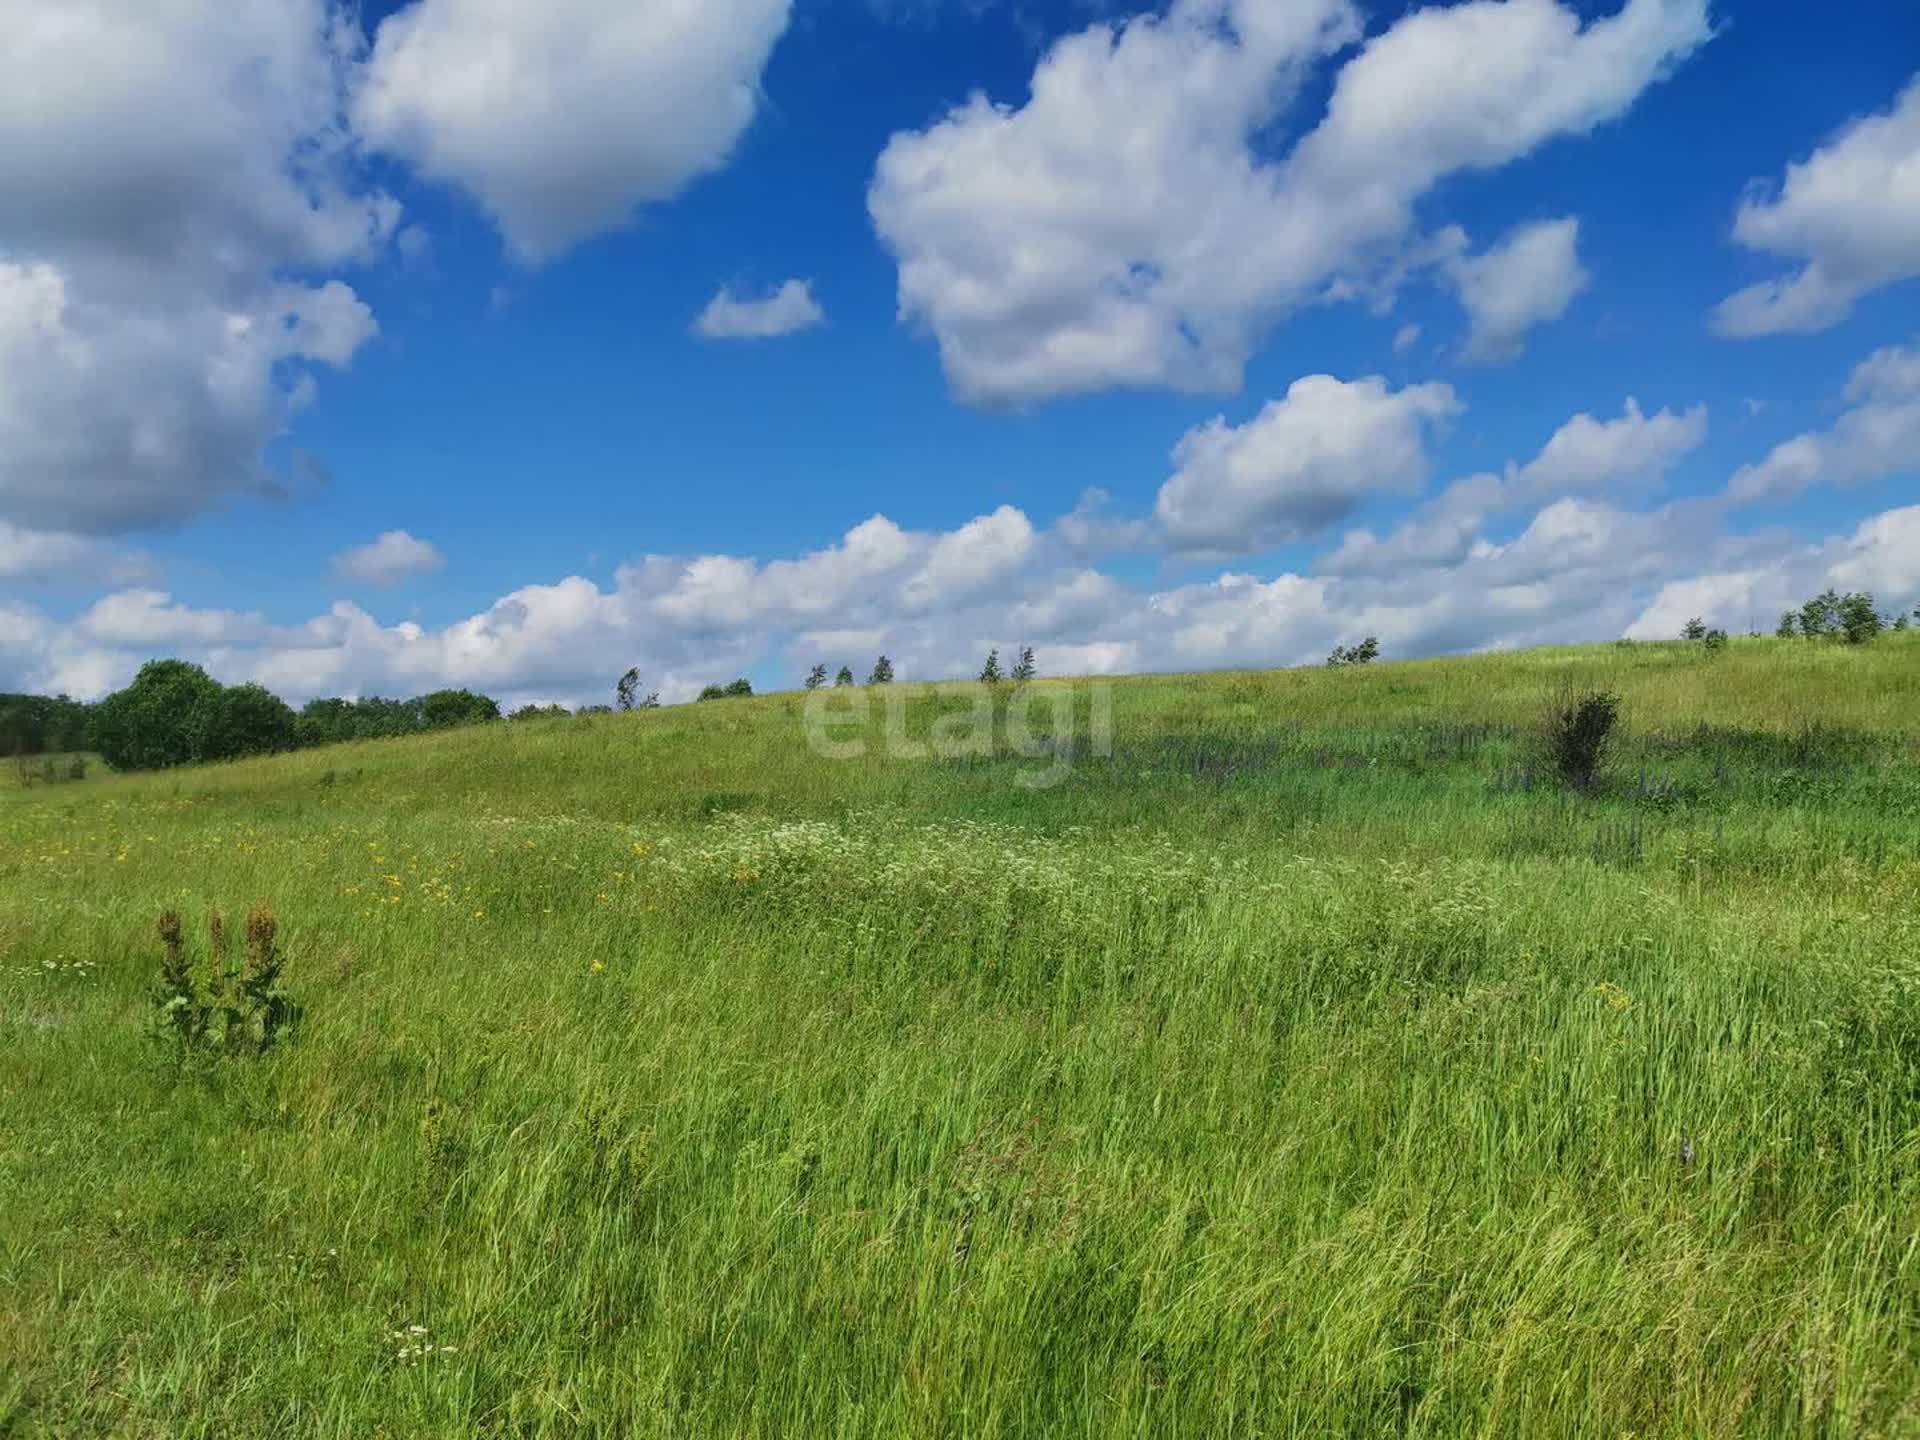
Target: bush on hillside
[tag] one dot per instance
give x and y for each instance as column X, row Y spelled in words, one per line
column 1576, row 732
column 250, row 720
column 167, row 716
column 1362, row 654
column 43, row 725
column 1830, row 615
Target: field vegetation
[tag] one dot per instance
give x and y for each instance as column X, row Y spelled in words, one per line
column 1320, row 1061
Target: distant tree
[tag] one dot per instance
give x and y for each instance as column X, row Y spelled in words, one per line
column 740, row 687
column 1901, row 621
column 732, row 690
column 1714, row 640
column 540, row 712
column 250, row 720
column 816, row 677
column 1362, row 654
column 1023, row 668
column 1820, row 616
column 990, row 672
column 626, row 688
column 882, row 672
column 1786, row 627
column 1694, row 629
column 1858, row 619
column 40, row 724
column 845, row 677
column 165, row 717
column 446, row 708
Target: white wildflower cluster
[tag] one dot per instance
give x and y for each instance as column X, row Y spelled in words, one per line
column 876, row 858
column 416, row 1345
column 62, row 966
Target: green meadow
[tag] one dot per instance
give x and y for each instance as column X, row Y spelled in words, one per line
column 1307, row 1063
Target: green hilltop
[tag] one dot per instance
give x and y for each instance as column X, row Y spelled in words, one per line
column 1248, row 1053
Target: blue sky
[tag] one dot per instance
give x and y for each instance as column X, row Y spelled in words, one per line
column 1390, row 247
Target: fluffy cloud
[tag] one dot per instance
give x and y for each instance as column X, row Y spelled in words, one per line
column 1122, row 229
column 1881, row 555
column 1850, row 212
column 43, row 556
column 388, row 560
column 193, row 142
column 114, row 416
column 1301, row 464
column 562, row 118
column 1585, row 456
column 1094, row 527
column 783, row 311
column 1877, row 436
column 1579, row 569
column 167, row 173
column 1529, row 279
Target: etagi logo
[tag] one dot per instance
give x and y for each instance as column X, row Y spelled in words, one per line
column 1039, row 720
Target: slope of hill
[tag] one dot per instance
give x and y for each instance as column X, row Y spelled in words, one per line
column 1244, row 1053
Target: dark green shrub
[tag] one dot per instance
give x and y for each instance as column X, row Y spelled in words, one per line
column 167, row 716
column 1576, row 731
column 444, row 709
column 250, row 720
column 1859, row 621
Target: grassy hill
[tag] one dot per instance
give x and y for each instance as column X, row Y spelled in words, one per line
column 1307, row 1063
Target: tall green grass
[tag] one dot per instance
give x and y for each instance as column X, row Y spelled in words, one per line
column 1304, row 1067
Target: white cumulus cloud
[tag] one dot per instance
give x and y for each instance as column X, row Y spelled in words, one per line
column 785, row 310
column 1527, row 280
column 1303, row 463
column 1877, row 436
column 394, row 556
column 1122, row 227
column 562, row 118
column 1850, row 213
column 174, row 180
column 1585, row 456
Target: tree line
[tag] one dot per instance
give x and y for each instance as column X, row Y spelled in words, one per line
column 174, row 713
column 1852, row 617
